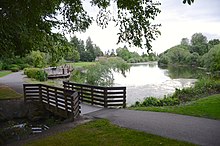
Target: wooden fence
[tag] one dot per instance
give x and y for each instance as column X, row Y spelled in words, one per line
column 57, row 100
column 96, row 95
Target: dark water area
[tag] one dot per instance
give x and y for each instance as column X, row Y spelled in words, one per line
column 148, row 79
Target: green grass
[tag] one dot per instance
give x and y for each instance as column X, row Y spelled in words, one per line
column 4, row 73
column 81, row 64
column 208, row 107
column 8, row 93
column 102, row 132
column 48, row 82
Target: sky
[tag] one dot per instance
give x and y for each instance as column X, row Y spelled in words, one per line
column 177, row 21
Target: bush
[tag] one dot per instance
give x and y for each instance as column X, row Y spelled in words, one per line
column 36, row 73
column 202, row 88
column 152, row 101
column 14, row 68
column 1, row 64
column 25, row 65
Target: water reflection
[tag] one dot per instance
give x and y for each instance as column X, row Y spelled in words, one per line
column 147, row 79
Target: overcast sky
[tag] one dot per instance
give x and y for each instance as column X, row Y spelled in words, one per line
column 178, row 21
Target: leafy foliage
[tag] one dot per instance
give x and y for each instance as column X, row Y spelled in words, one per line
column 88, row 51
column 199, row 53
column 100, row 73
column 199, row 44
column 27, row 25
column 36, row 73
column 211, row 60
column 153, row 101
column 134, row 57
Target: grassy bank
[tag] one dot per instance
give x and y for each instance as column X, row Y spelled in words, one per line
column 4, row 73
column 102, row 132
column 8, row 93
column 81, row 64
column 208, row 107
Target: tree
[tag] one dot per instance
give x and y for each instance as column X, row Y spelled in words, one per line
column 199, row 44
column 90, row 50
column 72, row 55
column 185, row 42
column 24, row 23
column 112, row 54
column 213, row 42
column 211, row 60
column 175, row 55
column 37, row 59
column 123, row 53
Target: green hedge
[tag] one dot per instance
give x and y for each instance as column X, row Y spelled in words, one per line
column 36, row 73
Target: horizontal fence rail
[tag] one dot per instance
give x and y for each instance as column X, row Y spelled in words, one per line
column 60, row 101
column 97, row 95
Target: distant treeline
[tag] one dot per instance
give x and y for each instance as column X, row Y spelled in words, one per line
column 195, row 52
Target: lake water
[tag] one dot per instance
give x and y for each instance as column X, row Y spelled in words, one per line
column 147, row 79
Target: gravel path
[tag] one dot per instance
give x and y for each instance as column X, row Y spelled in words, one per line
column 196, row 130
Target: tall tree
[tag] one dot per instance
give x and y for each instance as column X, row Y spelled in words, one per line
column 24, row 23
column 199, row 44
column 185, row 42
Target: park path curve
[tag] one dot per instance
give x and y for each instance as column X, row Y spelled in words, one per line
column 196, row 130
column 14, row 81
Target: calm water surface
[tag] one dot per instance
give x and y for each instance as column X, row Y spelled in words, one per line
column 147, row 79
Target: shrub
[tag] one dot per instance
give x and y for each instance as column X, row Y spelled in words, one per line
column 14, row 68
column 36, row 73
column 202, row 88
column 1, row 64
column 25, row 65
column 152, row 101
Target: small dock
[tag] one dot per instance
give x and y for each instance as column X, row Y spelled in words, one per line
column 58, row 72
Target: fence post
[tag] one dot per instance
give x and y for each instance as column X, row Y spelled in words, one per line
column 105, row 98
column 124, row 98
column 92, row 95
column 56, row 100
column 40, row 93
column 72, row 107
column 48, row 100
column 24, row 90
column 81, row 93
column 66, row 106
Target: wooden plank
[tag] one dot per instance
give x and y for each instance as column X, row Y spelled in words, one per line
column 121, row 96
column 115, row 101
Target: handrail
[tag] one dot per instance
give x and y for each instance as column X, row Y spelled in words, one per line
column 60, row 101
column 99, row 95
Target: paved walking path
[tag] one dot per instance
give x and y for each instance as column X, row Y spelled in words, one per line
column 14, row 80
column 187, row 128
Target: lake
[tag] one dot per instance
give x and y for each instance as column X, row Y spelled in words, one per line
column 147, row 79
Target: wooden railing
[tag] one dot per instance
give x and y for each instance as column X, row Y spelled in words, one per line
column 96, row 95
column 60, row 101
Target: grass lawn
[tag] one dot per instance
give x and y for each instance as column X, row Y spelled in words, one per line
column 102, row 132
column 4, row 73
column 208, row 107
column 81, row 64
column 48, row 82
column 8, row 93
